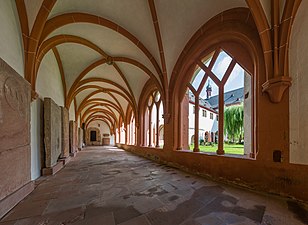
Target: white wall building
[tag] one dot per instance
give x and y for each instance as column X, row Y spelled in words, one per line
column 208, row 114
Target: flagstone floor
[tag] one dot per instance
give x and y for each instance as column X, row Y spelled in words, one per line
column 108, row 186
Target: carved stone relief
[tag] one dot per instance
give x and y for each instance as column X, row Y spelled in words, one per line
column 65, row 132
column 14, row 109
column 52, row 132
column 15, row 97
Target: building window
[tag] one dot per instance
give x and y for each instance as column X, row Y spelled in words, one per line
column 153, row 120
column 193, row 109
column 219, row 83
column 203, row 112
column 211, row 116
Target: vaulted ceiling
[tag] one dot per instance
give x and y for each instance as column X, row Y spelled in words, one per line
column 107, row 50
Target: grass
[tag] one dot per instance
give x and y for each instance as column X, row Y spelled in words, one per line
column 237, row 149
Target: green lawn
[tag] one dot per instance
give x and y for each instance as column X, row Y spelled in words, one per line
column 237, row 149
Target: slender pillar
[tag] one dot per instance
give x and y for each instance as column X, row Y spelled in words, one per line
column 220, row 150
column 150, row 127
column 136, row 128
column 126, row 134
column 157, row 125
column 144, row 131
column 196, row 147
column 119, row 131
column 180, row 127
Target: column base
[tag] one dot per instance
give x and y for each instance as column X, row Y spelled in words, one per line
column 220, row 152
column 252, row 155
column 52, row 170
column 196, row 150
column 73, row 154
column 65, row 160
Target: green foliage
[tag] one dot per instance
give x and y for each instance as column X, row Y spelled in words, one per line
column 201, row 142
column 234, row 122
column 237, row 149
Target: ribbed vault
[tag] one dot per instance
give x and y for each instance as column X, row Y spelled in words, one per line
column 107, row 51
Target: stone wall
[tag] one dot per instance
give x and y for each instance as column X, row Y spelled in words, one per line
column 65, row 132
column 283, row 179
column 298, row 91
column 15, row 156
column 52, row 132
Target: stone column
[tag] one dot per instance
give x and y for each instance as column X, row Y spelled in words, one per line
column 73, row 135
column 196, row 141
column 184, row 123
column 65, row 132
column 247, row 115
column 157, row 124
column 80, row 138
column 150, row 127
column 220, row 150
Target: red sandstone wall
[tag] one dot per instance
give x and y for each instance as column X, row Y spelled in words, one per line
column 15, row 161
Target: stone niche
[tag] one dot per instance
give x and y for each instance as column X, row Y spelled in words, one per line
column 65, row 133
column 52, row 132
column 93, row 136
column 15, row 155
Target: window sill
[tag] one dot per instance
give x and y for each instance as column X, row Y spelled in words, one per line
column 215, row 154
column 153, row 147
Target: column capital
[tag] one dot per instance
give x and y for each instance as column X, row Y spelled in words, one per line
column 276, row 87
column 34, row 95
column 166, row 117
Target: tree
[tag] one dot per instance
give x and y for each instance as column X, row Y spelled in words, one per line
column 234, row 122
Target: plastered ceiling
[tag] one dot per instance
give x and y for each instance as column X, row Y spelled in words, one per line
column 143, row 39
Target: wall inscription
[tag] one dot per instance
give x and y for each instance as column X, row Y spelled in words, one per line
column 52, row 132
column 14, row 109
column 15, row 155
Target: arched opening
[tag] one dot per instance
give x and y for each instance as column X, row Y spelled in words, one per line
column 220, row 88
column 153, row 121
column 207, row 66
column 132, row 131
column 93, row 136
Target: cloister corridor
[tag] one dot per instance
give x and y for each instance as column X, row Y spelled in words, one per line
column 108, row 186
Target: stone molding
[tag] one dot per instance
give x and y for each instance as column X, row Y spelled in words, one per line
column 276, row 87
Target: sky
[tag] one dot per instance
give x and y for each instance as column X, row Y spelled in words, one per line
column 235, row 81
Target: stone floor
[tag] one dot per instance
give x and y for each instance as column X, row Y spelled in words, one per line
column 109, row 186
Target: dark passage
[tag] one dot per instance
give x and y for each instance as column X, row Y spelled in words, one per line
column 93, row 135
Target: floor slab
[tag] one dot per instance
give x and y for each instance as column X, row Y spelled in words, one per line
column 106, row 185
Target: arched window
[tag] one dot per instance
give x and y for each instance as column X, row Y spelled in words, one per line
column 131, row 129
column 122, row 134
column 153, row 121
column 220, row 105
